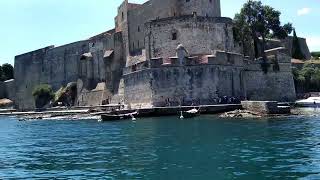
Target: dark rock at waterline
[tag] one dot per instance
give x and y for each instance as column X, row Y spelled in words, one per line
column 240, row 114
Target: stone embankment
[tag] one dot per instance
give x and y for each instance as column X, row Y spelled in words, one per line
column 94, row 112
column 256, row 109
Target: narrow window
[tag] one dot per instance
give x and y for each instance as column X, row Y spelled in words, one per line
column 174, row 36
column 138, row 44
column 122, row 16
column 133, row 45
column 134, row 68
column 138, row 28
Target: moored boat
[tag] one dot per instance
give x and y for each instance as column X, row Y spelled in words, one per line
column 309, row 102
column 117, row 117
column 189, row 114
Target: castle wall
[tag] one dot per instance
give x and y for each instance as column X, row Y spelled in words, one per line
column 201, row 84
column 10, row 89
column 224, row 74
column 287, row 43
column 137, row 89
column 209, row 8
column 159, row 9
column 199, row 35
column 98, row 47
column 61, row 64
column 277, row 84
column 121, row 22
column 145, row 39
column 105, row 65
column 137, row 17
column 27, row 72
column 54, row 66
column 175, row 85
column 93, row 97
column 2, row 90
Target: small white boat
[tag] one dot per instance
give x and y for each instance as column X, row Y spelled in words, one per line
column 310, row 102
column 189, row 114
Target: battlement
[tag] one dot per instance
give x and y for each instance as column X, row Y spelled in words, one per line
column 158, row 22
column 278, row 60
column 219, row 58
column 226, row 59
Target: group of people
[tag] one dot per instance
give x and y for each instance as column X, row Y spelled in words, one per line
column 228, row 100
column 218, row 100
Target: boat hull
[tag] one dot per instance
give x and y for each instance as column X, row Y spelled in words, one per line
column 190, row 115
column 118, row 117
column 315, row 105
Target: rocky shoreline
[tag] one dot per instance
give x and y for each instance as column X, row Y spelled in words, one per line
column 241, row 114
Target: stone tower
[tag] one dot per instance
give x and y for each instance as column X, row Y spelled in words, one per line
column 209, row 8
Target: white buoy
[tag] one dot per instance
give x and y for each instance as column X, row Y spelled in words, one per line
column 181, row 115
column 133, row 118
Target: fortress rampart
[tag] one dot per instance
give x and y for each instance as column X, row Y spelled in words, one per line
column 160, row 53
column 207, row 79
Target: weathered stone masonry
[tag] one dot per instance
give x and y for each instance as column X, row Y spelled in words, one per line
column 137, row 63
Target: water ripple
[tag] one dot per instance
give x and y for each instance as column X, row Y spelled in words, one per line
column 161, row 148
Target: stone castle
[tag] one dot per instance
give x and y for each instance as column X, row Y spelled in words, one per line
column 160, row 53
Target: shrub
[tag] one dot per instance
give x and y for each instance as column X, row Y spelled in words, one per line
column 42, row 94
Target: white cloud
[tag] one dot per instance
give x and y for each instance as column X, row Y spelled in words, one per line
column 313, row 43
column 303, row 11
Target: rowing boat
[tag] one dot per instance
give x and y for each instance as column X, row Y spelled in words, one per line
column 117, row 117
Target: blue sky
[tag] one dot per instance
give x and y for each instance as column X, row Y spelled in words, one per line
column 28, row 25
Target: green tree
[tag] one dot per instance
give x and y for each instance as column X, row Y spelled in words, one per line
column 258, row 22
column 242, row 34
column 7, row 71
column 307, row 79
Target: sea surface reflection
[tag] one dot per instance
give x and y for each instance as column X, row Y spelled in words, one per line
column 162, row 148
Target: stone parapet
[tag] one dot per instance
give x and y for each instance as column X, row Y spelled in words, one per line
column 156, row 62
column 226, row 58
column 136, row 67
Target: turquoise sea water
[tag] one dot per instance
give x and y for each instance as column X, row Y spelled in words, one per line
column 161, row 148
